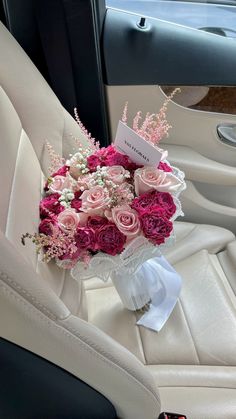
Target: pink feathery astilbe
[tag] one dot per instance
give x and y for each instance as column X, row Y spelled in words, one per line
column 155, row 126
column 56, row 161
column 94, row 145
column 55, row 245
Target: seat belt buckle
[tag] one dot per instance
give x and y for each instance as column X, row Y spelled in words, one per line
column 166, row 415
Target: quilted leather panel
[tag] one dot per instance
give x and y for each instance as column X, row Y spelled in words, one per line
column 193, row 376
column 106, row 311
column 200, row 331
column 202, row 327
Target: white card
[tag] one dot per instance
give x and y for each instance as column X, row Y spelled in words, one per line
column 134, row 146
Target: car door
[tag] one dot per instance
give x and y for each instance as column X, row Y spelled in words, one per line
column 143, row 61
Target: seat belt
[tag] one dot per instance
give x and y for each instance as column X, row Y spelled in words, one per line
column 52, row 27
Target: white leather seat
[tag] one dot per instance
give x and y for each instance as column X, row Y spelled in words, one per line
column 190, row 366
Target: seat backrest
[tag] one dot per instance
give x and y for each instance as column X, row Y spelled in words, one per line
column 40, row 112
column 41, row 308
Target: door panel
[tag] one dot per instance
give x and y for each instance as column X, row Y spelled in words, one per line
column 211, row 99
column 164, row 53
column 194, row 146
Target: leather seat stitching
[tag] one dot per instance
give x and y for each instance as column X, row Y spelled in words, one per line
column 5, row 278
column 13, row 178
column 187, row 323
column 141, row 340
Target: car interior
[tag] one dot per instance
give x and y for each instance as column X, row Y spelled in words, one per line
column 69, row 349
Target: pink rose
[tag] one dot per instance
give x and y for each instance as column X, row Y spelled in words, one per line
column 148, row 200
column 74, row 172
column 59, row 183
column 96, row 222
column 165, row 167
column 108, row 214
column 95, row 200
column 68, row 220
column 62, row 172
column 85, row 238
column 110, row 240
column 46, row 226
column 117, row 174
column 83, row 182
column 50, row 205
column 126, row 219
column 76, row 202
column 155, row 227
column 149, row 178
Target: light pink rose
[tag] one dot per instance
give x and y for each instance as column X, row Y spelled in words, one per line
column 95, row 200
column 59, row 183
column 68, row 219
column 108, row 214
column 116, row 174
column 126, row 220
column 83, row 182
column 83, row 218
column 149, row 179
column 74, row 172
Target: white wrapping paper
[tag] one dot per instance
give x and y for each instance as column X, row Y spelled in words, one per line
column 141, row 277
column 155, row 282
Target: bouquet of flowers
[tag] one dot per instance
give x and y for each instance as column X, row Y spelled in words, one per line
column 105, row 215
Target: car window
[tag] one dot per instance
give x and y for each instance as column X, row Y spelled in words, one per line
column 214, row 16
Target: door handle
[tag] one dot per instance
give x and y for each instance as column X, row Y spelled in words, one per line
column 227, row 133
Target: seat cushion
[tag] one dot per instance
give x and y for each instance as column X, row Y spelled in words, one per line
column 193, row 358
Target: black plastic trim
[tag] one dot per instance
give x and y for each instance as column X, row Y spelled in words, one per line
column 34, row 388
column 164, row 53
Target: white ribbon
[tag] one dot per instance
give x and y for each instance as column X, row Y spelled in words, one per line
column 156, row 282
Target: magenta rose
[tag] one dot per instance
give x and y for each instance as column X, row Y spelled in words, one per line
column 144, row 201
column 155, row 227
column 165, row 200
column 155, row 198
column 93, row 161
column 117, row 159
column 104, row 152
column 46, row 226
column 71, row 256
column 61, row 172
column 96, row 222
column 76, row 202
column 85, row 238
column 165, row 167
column 50, row 205
column 110, row 240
